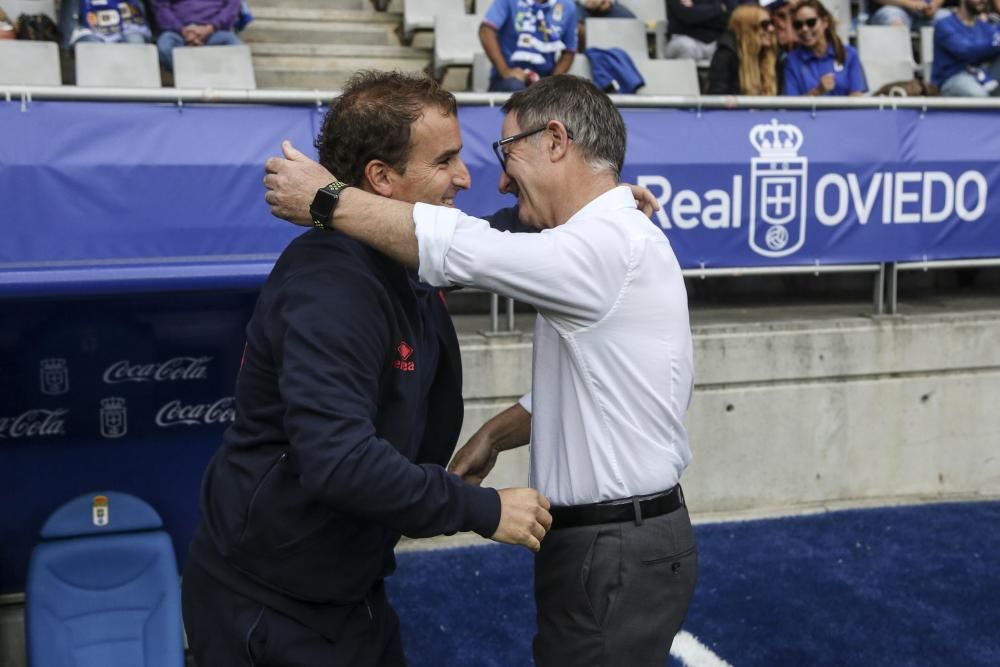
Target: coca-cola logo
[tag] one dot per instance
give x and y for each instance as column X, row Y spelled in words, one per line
column 171, row 370
column 34, row 424
column 176, row 413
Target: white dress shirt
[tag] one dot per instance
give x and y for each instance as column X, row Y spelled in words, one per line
column 612, row 362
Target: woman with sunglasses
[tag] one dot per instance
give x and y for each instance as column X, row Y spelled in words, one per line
column 821, row 64
column 745, row 60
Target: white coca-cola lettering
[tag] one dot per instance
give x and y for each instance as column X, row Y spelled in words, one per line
column 178, row 368
column 34, row 424
column 176, row 413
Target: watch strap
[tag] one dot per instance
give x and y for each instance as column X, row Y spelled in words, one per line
column 324, row 203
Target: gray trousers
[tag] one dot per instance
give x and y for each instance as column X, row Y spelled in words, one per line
column 614, row 594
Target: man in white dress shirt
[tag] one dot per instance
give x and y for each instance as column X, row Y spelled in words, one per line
column 612, row 371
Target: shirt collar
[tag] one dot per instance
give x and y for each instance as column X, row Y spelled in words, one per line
column 615, row 198
column 807, row 53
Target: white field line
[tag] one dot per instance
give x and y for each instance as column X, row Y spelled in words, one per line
column 693, row 653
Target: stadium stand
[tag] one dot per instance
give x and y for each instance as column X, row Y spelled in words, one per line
column 102, row 587
column 117, row 65
column 627, row 34
column 886, row 54
column 926, row 51
column 218, row 67
column 668, row 77
column 15, row 8
column 654, row 14
column 841, row 11
column 420, row 14
column 28, row 63
column 462, row 44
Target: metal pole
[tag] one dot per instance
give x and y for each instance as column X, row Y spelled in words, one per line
column 880, row 290
column 510, row 315
column 892, row 287
column 494, row 313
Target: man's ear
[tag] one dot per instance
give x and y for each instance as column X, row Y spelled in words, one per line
column 379, row 177
column 558, row 140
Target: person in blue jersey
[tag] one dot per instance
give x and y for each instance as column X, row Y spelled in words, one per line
column 526, row 40
column 821, row 64
column 95, row 21
column 967, row 52
column 348, row 405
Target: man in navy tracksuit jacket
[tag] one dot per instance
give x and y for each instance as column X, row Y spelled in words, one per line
column 348, row 404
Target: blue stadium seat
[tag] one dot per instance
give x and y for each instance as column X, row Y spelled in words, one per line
column 103, row 589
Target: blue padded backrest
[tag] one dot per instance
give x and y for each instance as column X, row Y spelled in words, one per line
column 100, row 596
column 101, row 513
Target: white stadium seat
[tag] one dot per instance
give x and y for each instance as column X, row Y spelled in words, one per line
column 419, row 14
column 117, row 65
column 28, row 63
column 627, row 34
column 218, row 67
column 668, row 77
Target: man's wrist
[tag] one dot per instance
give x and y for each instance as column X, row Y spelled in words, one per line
column 324, row 204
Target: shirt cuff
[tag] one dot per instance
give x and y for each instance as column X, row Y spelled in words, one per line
column 435, row 228
column 525, row 402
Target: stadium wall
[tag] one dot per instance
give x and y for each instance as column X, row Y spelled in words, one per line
column 806, row 413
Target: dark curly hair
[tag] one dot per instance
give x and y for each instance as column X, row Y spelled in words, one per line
column 371, row 120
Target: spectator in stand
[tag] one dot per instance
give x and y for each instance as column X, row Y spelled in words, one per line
column 693, row 26
column 95, row 21
column 821, row 64
column 526, row 41
column 194, row 23
column 910, row 13
column 745, row 61
column 781, row 12
column 967, row 52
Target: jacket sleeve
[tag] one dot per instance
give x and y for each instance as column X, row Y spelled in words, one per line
column 333, row 348
column 225, row 18
column 960, row 47
column 700, row 12
column 722, row 71
column 166, row 18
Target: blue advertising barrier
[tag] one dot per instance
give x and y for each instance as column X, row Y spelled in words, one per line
column 133, row 238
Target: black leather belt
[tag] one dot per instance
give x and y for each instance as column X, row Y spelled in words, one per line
column 634, row 509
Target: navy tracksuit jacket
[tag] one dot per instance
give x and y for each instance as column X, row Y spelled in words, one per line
column 336, row 449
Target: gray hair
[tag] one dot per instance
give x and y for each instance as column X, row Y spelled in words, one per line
column 597, row 128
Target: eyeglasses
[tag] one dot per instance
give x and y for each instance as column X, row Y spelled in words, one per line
column 766, row 24
column 808, row 23
column 498, row 145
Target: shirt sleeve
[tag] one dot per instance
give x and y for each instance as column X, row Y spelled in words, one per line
column 497, row 14
column 332, row 349
column 793, row 78
column 554, row 271
column 525, row 402
column 569, row 23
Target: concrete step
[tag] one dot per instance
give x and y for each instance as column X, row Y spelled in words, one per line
column 320, row 32
column 286, row 13
column 311, row 4
column 328, row 67
column 356, row 51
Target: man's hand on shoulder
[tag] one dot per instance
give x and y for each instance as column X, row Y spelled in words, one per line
column 524, row 518
column 292, row 182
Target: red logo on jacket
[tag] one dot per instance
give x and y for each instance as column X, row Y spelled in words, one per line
column 403, row 363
